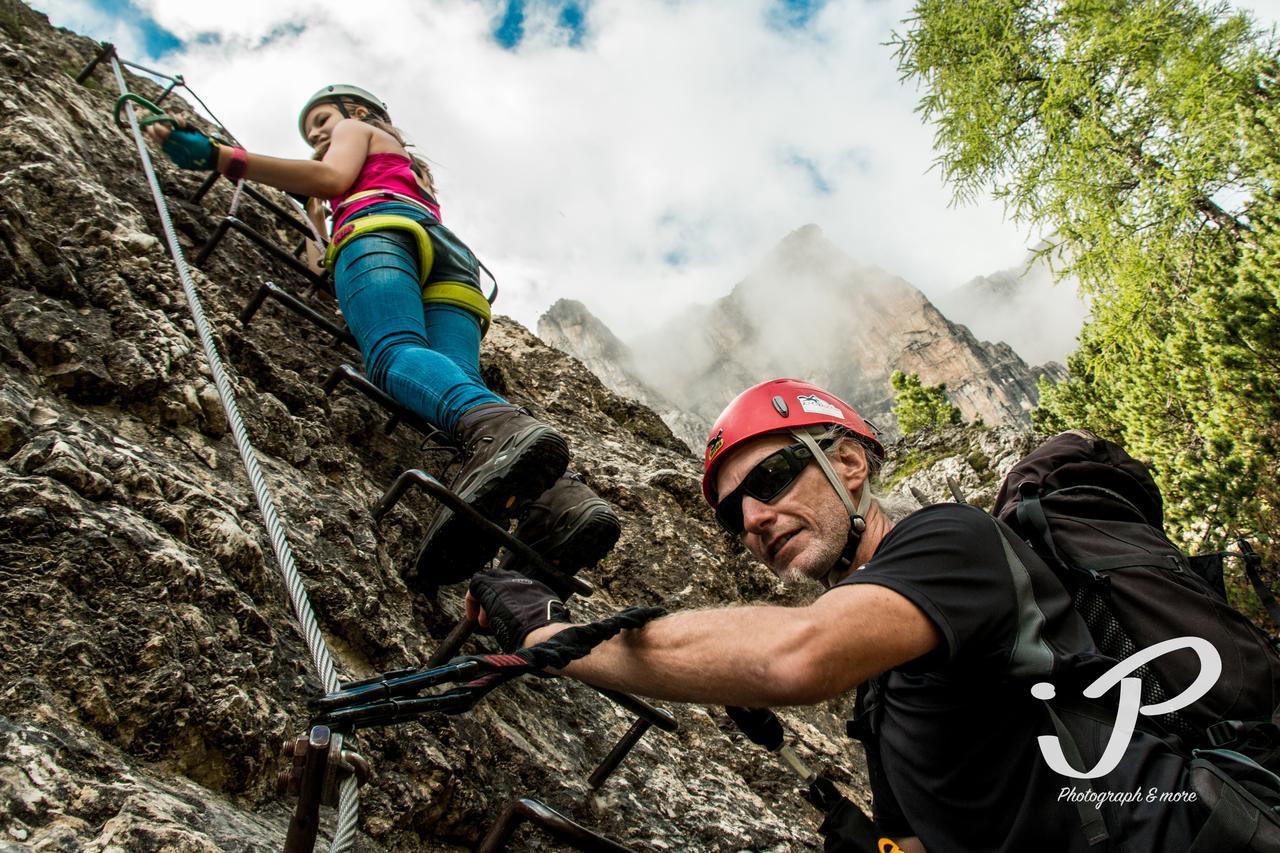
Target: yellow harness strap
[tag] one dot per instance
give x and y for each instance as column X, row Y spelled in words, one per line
column 460, row 295
column 384, row 222
column 389, row 195
column 455, row 293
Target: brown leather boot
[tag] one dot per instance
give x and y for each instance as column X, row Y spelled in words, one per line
column 570, row 526
column 512, row 459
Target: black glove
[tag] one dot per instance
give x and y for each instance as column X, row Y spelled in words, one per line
column 516, row 605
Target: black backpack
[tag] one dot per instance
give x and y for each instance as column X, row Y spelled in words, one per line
column 1096, row 517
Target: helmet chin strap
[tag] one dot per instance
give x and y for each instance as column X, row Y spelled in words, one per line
column 857, row 515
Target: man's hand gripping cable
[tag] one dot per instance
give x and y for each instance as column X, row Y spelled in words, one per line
column 391, row 697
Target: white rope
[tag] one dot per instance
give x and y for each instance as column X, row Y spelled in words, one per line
column 235, row 198
column 348, row 805
column 306, row 217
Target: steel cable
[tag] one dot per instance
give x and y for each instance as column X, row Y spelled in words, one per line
column 348, row 805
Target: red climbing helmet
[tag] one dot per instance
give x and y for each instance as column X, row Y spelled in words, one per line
column 778, row 405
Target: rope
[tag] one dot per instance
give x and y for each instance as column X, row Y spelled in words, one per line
column 235, row 198
column 348, row 803
column 306, row 217
column 577, row 642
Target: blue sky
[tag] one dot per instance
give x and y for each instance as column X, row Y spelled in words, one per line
column 155, row 39
column 571, row 20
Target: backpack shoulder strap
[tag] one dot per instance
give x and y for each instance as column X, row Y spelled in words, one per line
column 1252, row 562
column 1033, row 522
column 1091, row 820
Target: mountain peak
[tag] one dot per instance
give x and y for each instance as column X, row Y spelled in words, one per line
column 811, row 310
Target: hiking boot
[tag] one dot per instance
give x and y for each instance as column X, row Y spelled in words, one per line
column 570, row 526
column 512, row 459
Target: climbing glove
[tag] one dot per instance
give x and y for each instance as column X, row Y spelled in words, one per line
column 188, row 148
column 516, row 605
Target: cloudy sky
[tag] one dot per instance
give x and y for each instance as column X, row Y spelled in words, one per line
column 638, row 155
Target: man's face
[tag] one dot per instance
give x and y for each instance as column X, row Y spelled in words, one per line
column 801, row 532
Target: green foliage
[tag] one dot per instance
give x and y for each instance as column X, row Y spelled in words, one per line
column 919, row 407
column 1145, row 136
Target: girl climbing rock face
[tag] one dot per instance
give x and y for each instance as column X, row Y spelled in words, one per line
column 410, row 292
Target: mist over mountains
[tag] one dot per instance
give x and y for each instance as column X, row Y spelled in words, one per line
column 1022, row 306
column 812, row 312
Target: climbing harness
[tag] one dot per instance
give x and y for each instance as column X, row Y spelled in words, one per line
column 456, row 293
column 392, row 697
column 385, row 222
column 386, row 195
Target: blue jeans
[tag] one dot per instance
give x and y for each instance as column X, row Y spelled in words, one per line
column 427, row 357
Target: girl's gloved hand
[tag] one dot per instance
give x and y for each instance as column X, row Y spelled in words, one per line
column 187, row 148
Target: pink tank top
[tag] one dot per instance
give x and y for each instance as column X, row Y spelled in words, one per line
column 385, row 171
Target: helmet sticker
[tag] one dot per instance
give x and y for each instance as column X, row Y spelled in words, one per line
column 714, row 445
column 815, row 405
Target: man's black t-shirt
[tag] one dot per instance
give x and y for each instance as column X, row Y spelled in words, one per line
column 956, row 741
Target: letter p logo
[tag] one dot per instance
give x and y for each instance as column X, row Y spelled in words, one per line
column 1131, row 702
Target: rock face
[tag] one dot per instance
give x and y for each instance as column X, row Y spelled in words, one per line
column 809, row 312
column 569, row 326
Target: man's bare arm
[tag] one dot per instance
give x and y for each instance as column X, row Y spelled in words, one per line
column 762, row 656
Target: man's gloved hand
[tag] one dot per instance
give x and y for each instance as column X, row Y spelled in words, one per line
column 188, row 148
column 515, row 605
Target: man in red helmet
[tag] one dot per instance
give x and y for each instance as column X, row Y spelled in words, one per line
column 937, row 611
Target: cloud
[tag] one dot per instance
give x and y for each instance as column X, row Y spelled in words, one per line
column 133, row 32
column 638, row 157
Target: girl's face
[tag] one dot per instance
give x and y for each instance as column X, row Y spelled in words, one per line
column 320, row 122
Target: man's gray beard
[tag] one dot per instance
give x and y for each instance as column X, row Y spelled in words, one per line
column 794, row 575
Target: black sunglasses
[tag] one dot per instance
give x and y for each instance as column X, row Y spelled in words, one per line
column 770, row 477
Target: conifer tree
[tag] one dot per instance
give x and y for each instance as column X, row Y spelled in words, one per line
column 921, row 407
column 1142, row 135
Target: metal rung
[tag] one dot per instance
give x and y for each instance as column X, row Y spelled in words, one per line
column 552, row 822
column 619, row 752
column 232, row 223
column 104, row 51
column 348, row 374
column 664, row 720
column 205, row 187
column 270, row 290
column 286, row 216
column 540, row 569
column 173, row 83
